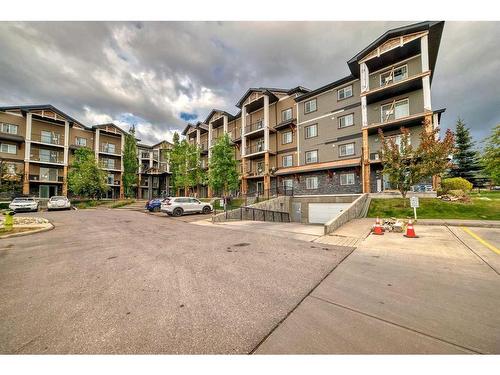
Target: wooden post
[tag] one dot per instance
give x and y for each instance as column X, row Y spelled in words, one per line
column 365, row 172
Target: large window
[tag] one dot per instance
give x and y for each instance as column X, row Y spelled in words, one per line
column 311, row 156
column 394, row 111
column 286, row 137
column 392, row 76
column 310, row 106
column 260, row 167
column 287, row 161
column 346, row 150
column 344, row 92
column 347, row 120
column 8, row 128
column 111, row 179
column 311, row 183
column 49, row 156
column 311, row 131
column 109, row 148
column 398, row 140
column 286, row 114
column 108, row 163
column 79, row 141
column 288, row 183
column 48, row 174
column 8, row 149
column 347, row 179
column 50, row 137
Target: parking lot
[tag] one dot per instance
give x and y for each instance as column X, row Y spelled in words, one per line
column 121, row 281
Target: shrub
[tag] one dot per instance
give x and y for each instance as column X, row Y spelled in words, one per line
column 456, row 193
column 456, row 183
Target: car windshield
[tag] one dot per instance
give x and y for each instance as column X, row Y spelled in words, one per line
column 23, row 200
column 58, row 198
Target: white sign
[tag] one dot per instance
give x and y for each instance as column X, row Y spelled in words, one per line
column 414, row 202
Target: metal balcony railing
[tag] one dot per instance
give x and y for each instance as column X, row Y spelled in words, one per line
column 110, row 150
column 52, row 139
column 254, row 126
column 53, row 157
column 259, row 147
column 107, row 165
column 41, row 178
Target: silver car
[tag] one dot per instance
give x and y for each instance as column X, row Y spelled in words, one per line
column 58, row 203
column 184, row 205
column 24, row 204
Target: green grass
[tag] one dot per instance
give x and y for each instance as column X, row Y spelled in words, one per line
column 91, row 203
column 433, row 208
column 122, row 203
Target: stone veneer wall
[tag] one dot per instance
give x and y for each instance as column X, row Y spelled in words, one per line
column 327, row 183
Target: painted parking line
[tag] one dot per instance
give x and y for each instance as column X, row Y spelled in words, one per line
column 485, row 243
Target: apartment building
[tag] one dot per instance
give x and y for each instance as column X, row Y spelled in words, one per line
column 154, row 170
column 39, row 142
column 325, row 141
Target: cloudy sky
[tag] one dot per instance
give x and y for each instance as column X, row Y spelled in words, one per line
column 158, row 75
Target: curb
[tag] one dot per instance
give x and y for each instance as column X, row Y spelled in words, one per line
column 37, row 230
column 459, row 224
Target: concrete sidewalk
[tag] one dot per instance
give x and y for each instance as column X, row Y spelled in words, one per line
column 395, row 295
column 459, row 223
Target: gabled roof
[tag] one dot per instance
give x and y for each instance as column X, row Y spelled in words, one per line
column 186, row 129
column 100, row 126
column 261, row 90
column 214, row 111
column 435, row 29
column 27, row 108
column 326, row 87
column 297, row 90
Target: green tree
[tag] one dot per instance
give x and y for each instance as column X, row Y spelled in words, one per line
column 465, row 161
column 85, row 178
column 130, row 163
column 185, row 166
column 11, row 183
column 491, row 156
column 406, row 165
column 223, row 172
column 176, row 138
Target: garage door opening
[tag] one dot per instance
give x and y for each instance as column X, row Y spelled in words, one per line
column 321, row 213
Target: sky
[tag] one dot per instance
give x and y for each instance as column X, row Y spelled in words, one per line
column 159, row 75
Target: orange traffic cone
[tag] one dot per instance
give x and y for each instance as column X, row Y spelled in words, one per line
column 410, row 231
column 378, row 229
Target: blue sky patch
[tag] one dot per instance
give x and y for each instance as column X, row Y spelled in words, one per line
column 188, row 116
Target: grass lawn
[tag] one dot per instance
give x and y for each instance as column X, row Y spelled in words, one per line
column 122, row 203
column 484, row 206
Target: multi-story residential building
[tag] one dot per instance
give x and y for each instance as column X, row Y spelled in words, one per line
column 154, row 170
column 325, row 141
column 39, row 142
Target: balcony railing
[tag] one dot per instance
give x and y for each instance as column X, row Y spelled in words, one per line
column 105, row 165
column 110, row 150
column 52, row 139
column 259, row 147
column 204, row 146
column 36, row 177
column 235, row 134
column 113, row 182
column 57, row 158
column 254, row 126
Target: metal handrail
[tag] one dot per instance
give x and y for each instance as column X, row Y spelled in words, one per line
column 254, row 126
column 282, row 216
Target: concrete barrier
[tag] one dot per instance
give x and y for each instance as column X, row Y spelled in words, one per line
column 352, row 212
column 281, row 204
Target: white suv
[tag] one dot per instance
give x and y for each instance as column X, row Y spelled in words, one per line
column 58, row 203
column 24, row 204
column 183, row 205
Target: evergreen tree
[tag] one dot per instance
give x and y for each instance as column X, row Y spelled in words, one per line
column 130, row 163
column 176, row 138
column 223, row 172
column 491, row 157
column 85, row 178
column 465, row 162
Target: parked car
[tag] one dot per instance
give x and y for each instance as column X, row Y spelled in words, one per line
column 154, row 205
column 183, row 205
column 24, row 204
column 58, row 203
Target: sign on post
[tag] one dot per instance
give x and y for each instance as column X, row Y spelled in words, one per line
column 415, row 204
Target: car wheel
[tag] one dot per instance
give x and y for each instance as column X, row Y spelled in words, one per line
column 178, row 212
column 206, row 210
column 156, row 209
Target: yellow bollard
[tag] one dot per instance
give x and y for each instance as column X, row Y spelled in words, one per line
column 8, row 223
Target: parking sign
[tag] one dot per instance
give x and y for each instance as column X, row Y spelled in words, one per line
column 414, row 202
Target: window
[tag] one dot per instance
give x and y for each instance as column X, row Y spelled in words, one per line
column 48, row 174
column 11, row 169
column 312, row 156
column 344, row 92
column 398, row 140
column 347, row 179
column 8, row 149
column 8, row 128
column 311, row 183
column 287, row 161
column 156, row 182
column 288, row 184
column 79, row 141
column 109, row 148
column 111, row 179
column 310, row 106
column 400, row 73
column 395, row 110
column 286, row 138
column 108, row 163
column 346, row 150
column 286, row 115
column 145, row 155
column 260, row 167
column 311, row 131
column 346, row 121
column 48, row 156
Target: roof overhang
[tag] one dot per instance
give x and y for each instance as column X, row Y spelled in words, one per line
column 49, row 107
column 355, row 162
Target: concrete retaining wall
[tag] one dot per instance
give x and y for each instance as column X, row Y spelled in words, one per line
column 281, row 204
column 304, row 201
column 354, row 211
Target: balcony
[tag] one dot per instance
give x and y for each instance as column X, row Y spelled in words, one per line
column 53, row 139
column 47, row 156
column 256, row 150
column 254, row 127
column 110, row 150
column 42, row 178
column 204, row 147
column 112, row 182
column 109, row 166
column 392, row 86
column 235, row 135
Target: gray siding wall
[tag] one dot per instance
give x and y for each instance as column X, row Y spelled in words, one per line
column 327, row 141
column 415, row 131
column 416, row 104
